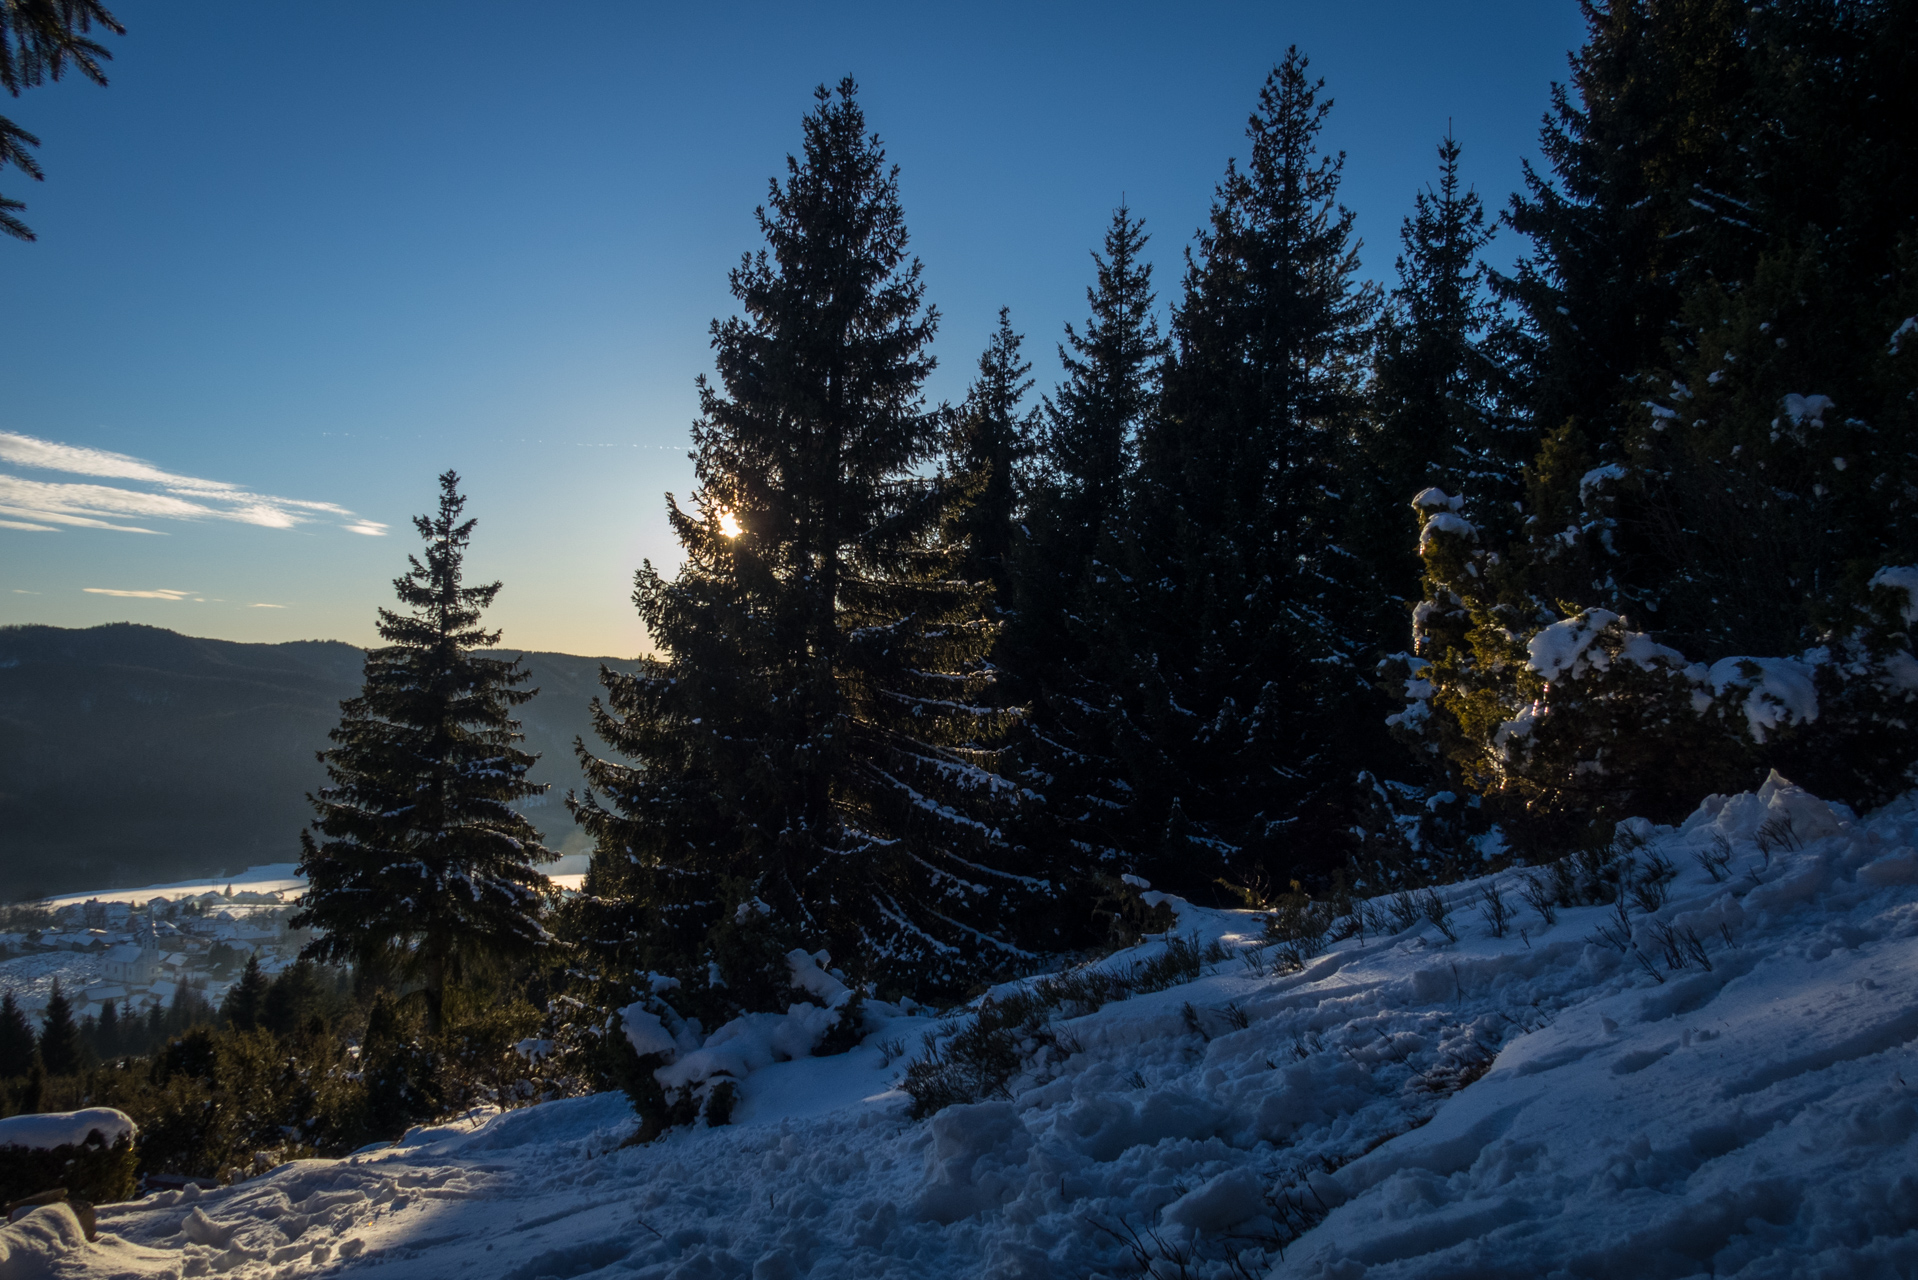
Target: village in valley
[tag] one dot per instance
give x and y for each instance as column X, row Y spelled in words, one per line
column 139, row 949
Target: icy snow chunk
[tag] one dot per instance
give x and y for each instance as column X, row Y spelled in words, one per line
column 1225, row 1201
column 1704, row 815
column 1903, row 577
column 66, row 1128
column 1104, row 1128
column 1559, row 650
column 645, row 1032
column 1437, row 500
column 1445, row 522
column 975, row 1149
column 1900, row 867
column 1810, row 818
column 1781, row 691
column 1739, row 817
column 200, row 1229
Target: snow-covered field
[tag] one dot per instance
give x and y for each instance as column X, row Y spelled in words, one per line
column 275, row 877
column 1528, row 1105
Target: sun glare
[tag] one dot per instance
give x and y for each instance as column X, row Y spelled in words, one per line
column 729, row 524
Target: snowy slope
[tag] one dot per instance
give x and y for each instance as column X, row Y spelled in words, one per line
column 1534, row 1104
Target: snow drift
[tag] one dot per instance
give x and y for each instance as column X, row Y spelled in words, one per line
column 1713, row 1081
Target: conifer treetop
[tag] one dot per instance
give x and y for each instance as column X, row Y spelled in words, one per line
column 1111, row 370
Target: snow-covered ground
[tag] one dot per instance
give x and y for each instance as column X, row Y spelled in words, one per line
column 1535, row 1104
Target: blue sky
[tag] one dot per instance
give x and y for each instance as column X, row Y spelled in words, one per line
column 315, row 254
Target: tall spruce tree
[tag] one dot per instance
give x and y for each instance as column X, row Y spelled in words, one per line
column 811, row 751
column 17, row 1047
column 1638, row 139
column 1249, row 706
column 1643, row 145
column 1055, row 650
column 60, row 1046
column 423, row 863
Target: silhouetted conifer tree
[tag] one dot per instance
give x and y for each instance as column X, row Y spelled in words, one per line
column 17, row 1047
column 424, row 862
column 1438, row 415
column 1248, row 702
column 1057, row 649
column 992, row 438
column 106, row 1031
column 60, row 1045
column 245, row 999
column 812, row 750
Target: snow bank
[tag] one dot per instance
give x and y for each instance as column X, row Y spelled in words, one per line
column 1550, row 1100
column 51, row 1129
column 50, row 1241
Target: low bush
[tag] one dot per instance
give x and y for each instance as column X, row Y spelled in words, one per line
column 979, row 1056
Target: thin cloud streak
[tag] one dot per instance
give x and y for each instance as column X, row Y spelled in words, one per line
column 41, row 506
column 164, row 593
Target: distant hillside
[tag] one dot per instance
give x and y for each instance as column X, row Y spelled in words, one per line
column 133, row 755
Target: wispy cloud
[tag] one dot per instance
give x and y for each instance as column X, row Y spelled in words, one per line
column 145, row 493
column 266, row 606
column 163, row 593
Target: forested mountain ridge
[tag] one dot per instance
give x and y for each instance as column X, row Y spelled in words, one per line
column 133, row 755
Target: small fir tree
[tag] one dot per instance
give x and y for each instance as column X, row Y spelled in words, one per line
column 18, row 1051
column 106, row 1031
column 244, row 1000
column 812, row 750
column 423, row 862
column 60, row 1046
